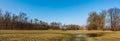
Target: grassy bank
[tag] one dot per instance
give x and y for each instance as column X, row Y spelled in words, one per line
column 55, row 35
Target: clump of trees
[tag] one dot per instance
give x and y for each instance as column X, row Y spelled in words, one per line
column 9, row 21
column 105, row 19
column 96, row 21
column 20, row 22
column 72, row 27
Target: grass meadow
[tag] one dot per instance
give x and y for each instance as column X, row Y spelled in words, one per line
column 56, row 35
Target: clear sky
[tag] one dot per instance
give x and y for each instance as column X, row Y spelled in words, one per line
column 64, row 11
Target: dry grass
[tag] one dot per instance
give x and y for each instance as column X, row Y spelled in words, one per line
column 55, row 35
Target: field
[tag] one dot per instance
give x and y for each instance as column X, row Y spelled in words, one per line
column 56, row 35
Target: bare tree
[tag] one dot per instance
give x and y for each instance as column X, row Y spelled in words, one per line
column 114, row 14
column 93, row 20
column 7, row 20
column 102, row 20
column 1, row 20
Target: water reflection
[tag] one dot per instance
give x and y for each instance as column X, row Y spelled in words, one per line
column 83, row 37
column 80, row 35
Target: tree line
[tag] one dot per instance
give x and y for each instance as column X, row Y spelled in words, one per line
column 9, row 21
column 104, row 20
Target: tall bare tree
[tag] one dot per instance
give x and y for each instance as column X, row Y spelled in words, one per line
column 93, row 21
column 102, row 20
column 7, row 20
column 1, row 20
column 114, row 14
column 14, row 21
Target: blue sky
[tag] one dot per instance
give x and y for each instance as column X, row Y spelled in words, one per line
column 64, row 11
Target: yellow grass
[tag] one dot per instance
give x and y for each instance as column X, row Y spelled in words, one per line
column 55, row 35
